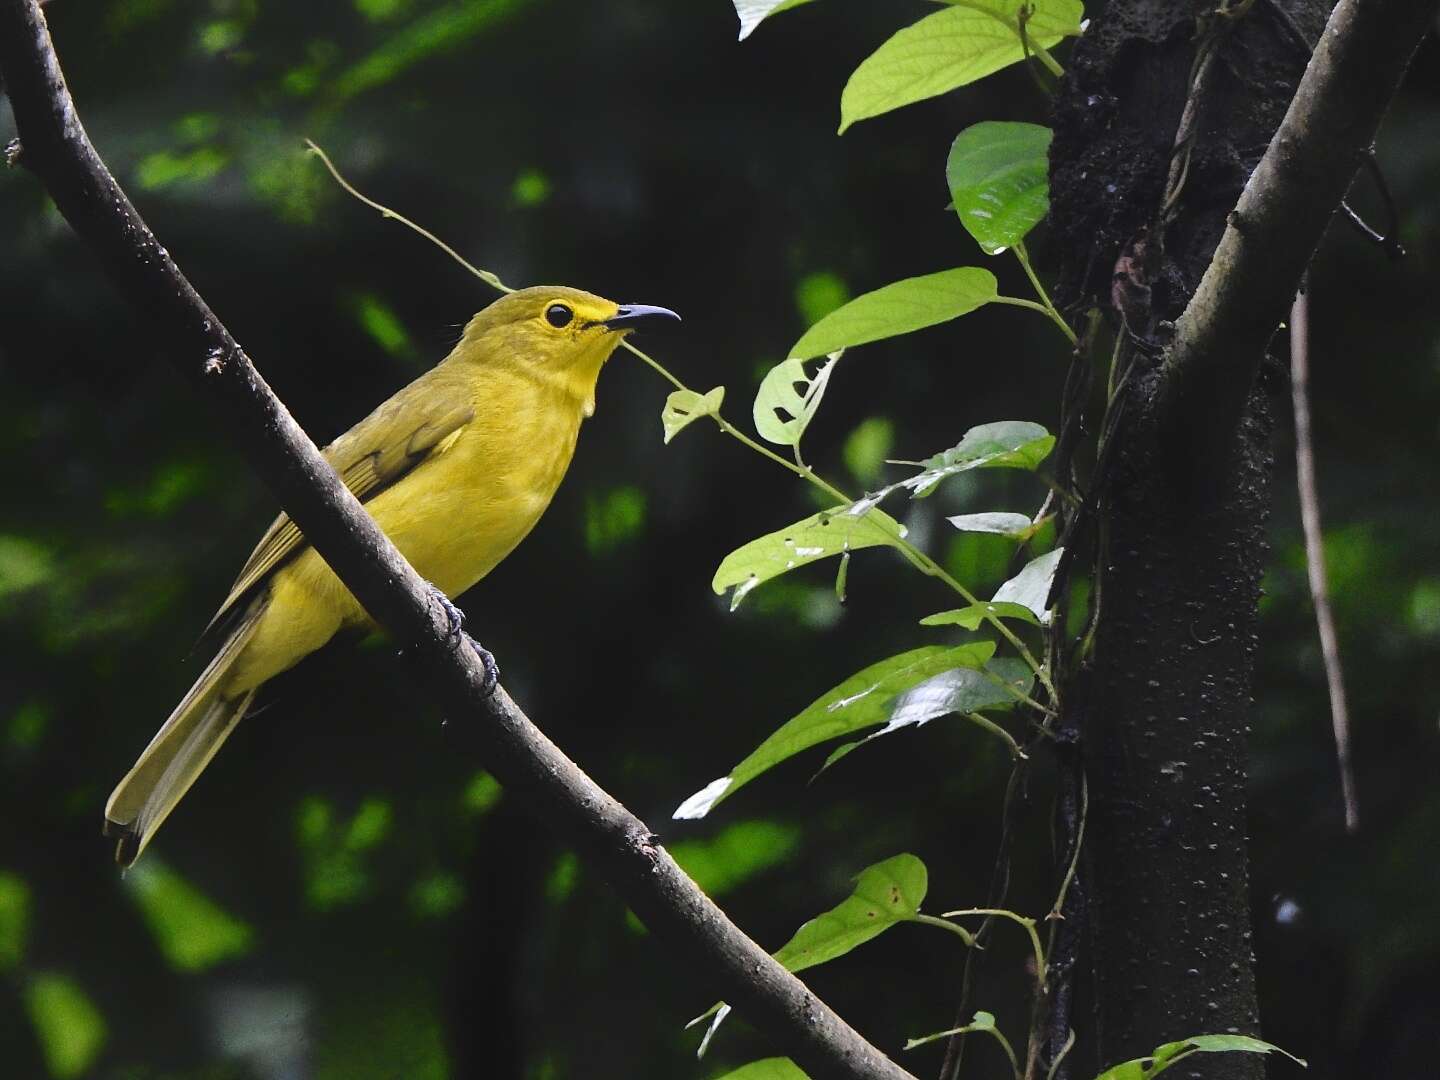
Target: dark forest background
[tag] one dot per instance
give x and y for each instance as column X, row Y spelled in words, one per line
column 346, row 894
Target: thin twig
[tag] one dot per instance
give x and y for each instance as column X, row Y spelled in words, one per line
column 1315, row 548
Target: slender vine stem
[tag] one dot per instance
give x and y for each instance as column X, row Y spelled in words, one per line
column 1074, row 855
column 1055, row 1065
column 1048, row 305
column 946, row 924
column 967, row 1029
column 995, row 729
column 1041, row 974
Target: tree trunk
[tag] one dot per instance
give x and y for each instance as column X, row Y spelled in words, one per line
column 1163, row 697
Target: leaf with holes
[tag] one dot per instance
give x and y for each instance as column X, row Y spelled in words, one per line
column 999, row 179
column 782, row 413
column 684, row 407
column 830, row 532
column 899, row 308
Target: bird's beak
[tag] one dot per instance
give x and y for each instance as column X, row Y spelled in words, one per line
column 630, row 315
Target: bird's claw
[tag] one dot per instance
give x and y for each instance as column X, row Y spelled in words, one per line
column 492, row 669
column 456, row 633
column 453, row 615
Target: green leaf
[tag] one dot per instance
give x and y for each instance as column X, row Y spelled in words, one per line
column 999, row 179
column 1010, row 444
column 1210, row 1044
column 1173, row 1053
column 684, row 407
column 950, row 49
column 769, row 1068
column 1031, row 586
column 753, row 12
column 970, row 618
column 963, row 690
column 983, row 1022
column 906, row 305
column 885, row 894
column 777, row 394
column 1005, row 444
column 863, row 700
column 830, row 532
column 1126, row 1070
column 1016, row 525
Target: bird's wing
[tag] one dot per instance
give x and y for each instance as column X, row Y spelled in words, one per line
column 370, row 457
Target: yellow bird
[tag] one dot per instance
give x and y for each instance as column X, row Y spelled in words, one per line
column 456, row 468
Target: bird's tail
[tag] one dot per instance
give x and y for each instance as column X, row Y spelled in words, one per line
column 179, row 752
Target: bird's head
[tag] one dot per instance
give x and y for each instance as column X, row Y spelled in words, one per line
column 560, row 335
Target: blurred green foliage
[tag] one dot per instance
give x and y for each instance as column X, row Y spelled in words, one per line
column 70, row 1029
column 191, row 930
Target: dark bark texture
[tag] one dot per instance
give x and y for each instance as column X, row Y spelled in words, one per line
column 1165, row 694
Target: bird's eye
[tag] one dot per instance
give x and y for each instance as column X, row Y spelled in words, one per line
column 558, row 315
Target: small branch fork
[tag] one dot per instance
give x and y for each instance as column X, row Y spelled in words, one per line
column 1273, row 231
column 55, row 147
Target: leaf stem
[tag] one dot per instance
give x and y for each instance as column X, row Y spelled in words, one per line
column 967, row 1029
column 659, row 367
column 995, row 729
column 385, row 211
column 1041, row 975
column 1049, row 305
column 1043, row 55
column 946, row 924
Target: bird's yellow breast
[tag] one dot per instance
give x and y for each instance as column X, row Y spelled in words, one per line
column 454, row 517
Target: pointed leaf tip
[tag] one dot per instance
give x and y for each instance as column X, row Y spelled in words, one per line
column 703, row 801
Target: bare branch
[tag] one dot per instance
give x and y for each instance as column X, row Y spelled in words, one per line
column 54, row 146
column 1315, row 549
column 1281, row 217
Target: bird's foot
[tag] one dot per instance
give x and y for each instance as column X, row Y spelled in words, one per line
column 456, row 632
column 453, row 615
column 492, row 669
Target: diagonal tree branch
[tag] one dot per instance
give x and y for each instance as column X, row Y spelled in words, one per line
column 55, row 147
column 1277, row 225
